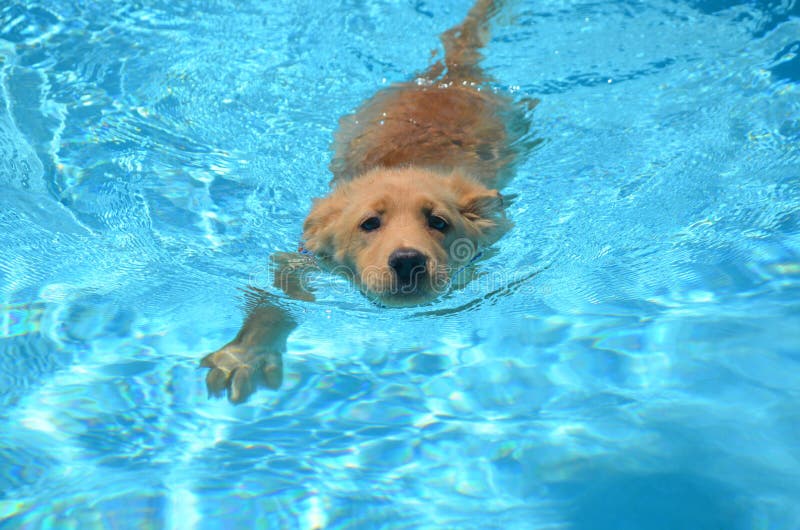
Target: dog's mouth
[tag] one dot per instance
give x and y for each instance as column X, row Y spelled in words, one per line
column 418, row 288
column 402, row 299
column 406, row 296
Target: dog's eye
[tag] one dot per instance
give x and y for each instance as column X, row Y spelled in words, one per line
column 437, row 223
column 370, row 224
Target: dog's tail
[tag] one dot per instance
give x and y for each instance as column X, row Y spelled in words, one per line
column 462, row 43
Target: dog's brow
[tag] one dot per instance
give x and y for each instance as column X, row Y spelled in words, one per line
column 428, row 206
column 379, row 206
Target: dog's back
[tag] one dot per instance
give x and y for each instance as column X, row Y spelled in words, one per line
column 446, row 119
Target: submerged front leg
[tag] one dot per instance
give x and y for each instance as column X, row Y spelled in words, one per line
column 291, row 272
column 253, row 359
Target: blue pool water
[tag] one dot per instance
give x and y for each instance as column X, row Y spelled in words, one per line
column 153, row 154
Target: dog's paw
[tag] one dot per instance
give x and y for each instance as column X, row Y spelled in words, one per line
column 239, row 372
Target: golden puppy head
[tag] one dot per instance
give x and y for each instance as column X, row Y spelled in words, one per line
column 400, row 233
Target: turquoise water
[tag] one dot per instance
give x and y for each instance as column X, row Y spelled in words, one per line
column 153, row 154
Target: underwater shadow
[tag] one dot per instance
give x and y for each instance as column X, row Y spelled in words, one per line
column 660, row 501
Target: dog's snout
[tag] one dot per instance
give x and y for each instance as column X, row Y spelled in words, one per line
column 407, row 263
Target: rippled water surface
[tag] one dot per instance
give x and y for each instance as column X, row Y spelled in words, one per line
column 153, row 154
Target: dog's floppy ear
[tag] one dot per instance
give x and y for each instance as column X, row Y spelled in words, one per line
column 318, row 231
column 481, row 207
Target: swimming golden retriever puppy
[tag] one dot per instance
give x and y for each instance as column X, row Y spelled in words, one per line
column 416, row 172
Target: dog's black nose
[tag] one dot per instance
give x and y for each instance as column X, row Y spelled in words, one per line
column 407, row 264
